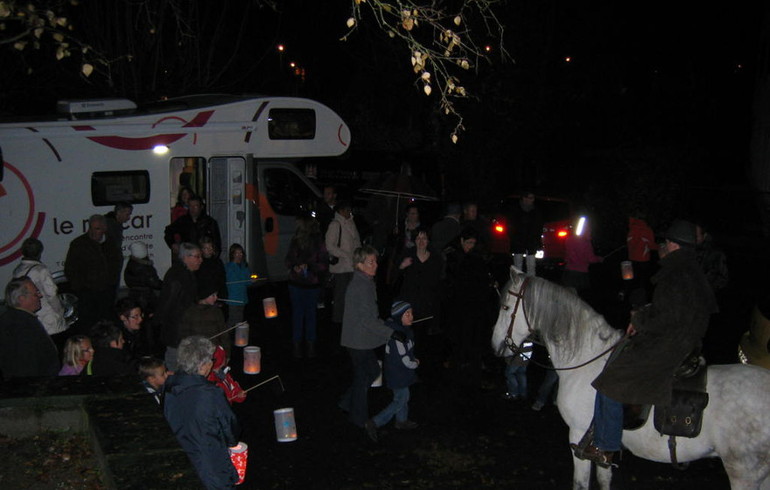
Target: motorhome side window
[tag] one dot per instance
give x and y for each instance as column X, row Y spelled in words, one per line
column 287, row 193
column 108, row 188
column 291, row 124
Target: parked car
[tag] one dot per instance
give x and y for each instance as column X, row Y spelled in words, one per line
column 556, row 228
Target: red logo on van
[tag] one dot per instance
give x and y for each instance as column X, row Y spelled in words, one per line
column 148, row 142
column 31, row 221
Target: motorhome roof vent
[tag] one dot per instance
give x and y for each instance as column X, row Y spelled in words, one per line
column 84, row 109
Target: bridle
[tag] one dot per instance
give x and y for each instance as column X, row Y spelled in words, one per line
column 508, row 341
column 516, row 349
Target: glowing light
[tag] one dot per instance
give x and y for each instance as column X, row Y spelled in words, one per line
column 580, row 225
column 280, row 48
column 488, row 48
column 160, row 149
column 499, row 229
column 568, row 59
column 562, row 233
column 292, row 64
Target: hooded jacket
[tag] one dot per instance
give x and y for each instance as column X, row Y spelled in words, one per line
column 204, row 425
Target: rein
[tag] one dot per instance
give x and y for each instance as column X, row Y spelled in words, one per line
column 516, row 349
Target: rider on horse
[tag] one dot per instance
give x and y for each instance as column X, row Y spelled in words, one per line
column 660, row 336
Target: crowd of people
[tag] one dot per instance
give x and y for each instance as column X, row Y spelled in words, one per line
column 435, row 286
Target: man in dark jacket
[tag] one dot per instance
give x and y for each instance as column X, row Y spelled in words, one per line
column 193, row 226
column 526, row 230
column 92, row 268
column 661, row 335
column 178, row 293
column 25, row 347
column 199, row 416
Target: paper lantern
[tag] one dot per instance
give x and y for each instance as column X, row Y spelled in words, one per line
column 242, row 335
column 252, row 360
column 285, row 428
column 239, row 455
column 271, row 309
column 627, row 270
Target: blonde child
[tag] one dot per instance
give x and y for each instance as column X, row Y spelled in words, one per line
column 78, row 352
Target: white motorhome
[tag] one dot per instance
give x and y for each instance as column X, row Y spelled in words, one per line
column 237, row 152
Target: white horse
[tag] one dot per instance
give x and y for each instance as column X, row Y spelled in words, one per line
column 736, row 422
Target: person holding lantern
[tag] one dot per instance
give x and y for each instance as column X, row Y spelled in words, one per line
column 659, row 337
column 199, row 415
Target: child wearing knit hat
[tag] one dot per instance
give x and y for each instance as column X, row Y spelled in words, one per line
column 400, row 365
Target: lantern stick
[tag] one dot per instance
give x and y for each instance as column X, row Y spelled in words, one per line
column 266, row 381
column 616, row 250
column 422, row 319
column 234, row 301
column 248, row 280
column 228, row 329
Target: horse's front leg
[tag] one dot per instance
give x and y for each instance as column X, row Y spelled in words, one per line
column 581, row 474
column 581, row 469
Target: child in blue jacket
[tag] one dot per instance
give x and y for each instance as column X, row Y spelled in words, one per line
column 400, row 365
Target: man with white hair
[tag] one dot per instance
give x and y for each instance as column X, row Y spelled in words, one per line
column 25, row 347
column 199, row 415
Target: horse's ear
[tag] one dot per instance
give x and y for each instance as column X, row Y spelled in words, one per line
column 515, row 271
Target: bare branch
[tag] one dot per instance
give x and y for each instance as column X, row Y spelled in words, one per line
column 440, row 39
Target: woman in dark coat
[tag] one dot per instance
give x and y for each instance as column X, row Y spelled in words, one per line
column 308, row 263
column 419, row 276
column 468, row 282
column 199, row 415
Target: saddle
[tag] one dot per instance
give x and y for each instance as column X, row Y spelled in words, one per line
column 682, row 418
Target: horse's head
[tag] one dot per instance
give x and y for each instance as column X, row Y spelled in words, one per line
column 512, row 326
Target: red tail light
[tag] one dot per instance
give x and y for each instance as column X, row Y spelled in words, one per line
column 499, row 229
column 562, row 233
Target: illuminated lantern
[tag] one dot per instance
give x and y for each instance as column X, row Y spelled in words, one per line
column 285, row 428
column 271, row 309
column 242, row 335
column 252, row 360
column 627, row 270
column 239, row 455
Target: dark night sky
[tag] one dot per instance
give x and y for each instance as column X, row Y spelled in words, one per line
column 641, row 76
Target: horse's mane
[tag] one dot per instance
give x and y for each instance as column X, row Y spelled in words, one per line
column 562, row 318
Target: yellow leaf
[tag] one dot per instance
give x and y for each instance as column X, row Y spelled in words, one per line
column 465, row 64
column 59, row 53
column 454, row 138
column 30, row 7
column 458, row 20
column 19, row 45
column 62, row 21
column 391, row 34
column 4, row 10
column 414, row 61
column 427, row 89
column 351, row 22
column 38, row 32
column 426, row 76
column 408, row 24
column 87, row 69
column 58, row 37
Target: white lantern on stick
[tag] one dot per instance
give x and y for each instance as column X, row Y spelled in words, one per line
column 271, row 309
column 285, row 428
column 242, row 335
column 252, row 360
column 627, row 270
